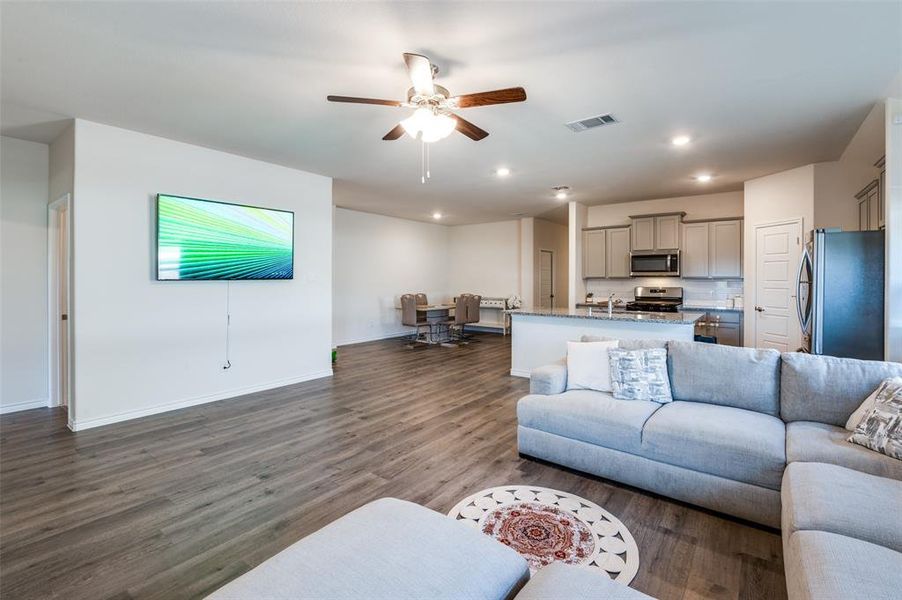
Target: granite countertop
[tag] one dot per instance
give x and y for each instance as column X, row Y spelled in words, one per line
column 711, row 307
column 678, row 318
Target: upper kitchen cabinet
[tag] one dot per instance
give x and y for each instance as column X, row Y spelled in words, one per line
column 618, row 252
column 695, row 261
column 712, row 249
column 643, row 233
column 606, row 252
column 594, row 253
column 870, row 208
column 653, row 233
column 667, row 232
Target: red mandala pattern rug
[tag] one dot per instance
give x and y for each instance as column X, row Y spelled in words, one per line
column 545, row 525
column 541, row 533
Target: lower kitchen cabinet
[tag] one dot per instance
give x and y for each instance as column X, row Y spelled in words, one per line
column 725, row 326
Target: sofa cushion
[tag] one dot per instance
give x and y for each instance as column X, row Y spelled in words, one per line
column 549, row 379
column 386, row 549
column 823, row 497
column 588, row 416
column 817, row 442
column 559, row 580
column 628, row 344
column 828, row 389
column 738, row 444
column 827, row 566
column 725, row 375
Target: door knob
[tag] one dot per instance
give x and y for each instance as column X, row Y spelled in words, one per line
column 759, row 309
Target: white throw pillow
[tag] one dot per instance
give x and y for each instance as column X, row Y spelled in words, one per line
column 588, row 365
column 868, row 405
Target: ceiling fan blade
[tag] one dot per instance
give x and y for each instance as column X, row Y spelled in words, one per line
column 420, row 70
column 395, row 133
column 471, row 131
column 505, row 96
column 354, row 100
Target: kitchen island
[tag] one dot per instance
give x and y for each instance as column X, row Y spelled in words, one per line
column 540, row 336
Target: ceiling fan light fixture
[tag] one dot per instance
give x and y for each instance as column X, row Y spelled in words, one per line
column 427, row 125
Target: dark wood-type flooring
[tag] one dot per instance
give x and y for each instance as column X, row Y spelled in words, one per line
column 175, row 505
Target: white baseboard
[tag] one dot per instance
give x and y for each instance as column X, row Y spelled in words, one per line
column 82, row 424
column 520, row 373
column 27, row 405
column 375, row 338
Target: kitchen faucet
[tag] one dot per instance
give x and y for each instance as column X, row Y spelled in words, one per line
column 611, row 304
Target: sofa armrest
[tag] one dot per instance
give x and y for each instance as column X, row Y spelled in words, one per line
column 549, row 379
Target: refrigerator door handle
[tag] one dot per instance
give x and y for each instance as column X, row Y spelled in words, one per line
column 804, row 313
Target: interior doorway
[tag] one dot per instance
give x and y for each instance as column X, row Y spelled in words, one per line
column 59, row 287
column 778, row 250
column 546, row 278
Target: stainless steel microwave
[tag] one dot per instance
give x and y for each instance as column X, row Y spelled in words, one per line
column 655, row 265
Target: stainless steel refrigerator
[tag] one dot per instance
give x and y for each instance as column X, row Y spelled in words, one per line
column 840, row 293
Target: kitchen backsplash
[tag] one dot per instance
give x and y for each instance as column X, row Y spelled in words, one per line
column 695, row 291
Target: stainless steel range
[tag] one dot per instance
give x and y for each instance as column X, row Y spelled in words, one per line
column 656, row 299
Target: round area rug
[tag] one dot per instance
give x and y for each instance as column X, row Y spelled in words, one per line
column 546, row 525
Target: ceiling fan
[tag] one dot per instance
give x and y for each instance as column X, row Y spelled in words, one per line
column 433, row 118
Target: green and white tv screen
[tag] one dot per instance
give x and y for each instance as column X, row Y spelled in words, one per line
column 206, row 239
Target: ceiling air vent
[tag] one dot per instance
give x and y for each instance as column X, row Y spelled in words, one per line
column 591, row 122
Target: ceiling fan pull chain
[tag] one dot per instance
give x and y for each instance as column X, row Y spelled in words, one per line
column 428, row 174
column 422, row 161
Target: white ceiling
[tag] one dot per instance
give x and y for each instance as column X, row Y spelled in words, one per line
column 761, row 87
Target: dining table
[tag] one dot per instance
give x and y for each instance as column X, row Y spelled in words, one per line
column 436, row 313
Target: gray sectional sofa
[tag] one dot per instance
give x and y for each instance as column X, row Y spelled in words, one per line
column 738, row 418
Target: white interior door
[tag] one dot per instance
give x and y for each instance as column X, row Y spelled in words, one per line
column 777, row 254
column 546, row 278
column 63, row 295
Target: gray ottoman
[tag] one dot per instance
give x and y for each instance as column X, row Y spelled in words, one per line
column 387, row 549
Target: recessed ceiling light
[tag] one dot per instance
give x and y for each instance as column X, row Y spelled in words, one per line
column 436, row 215
column 502, row 171
column 681, row 140
column 561, row 191
column 703, row 178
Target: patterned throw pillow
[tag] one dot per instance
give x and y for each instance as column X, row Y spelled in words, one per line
column 881, row 429
column 640, row 375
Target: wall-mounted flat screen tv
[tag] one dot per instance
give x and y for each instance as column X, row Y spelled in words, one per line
column 206, row 239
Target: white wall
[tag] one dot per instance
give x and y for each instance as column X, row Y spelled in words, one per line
column 485, row 259
column 837, row 182
column 554, row 237
column 770, row 199
column 144, row 346
column 375, row 260
column 577, row 218
column 704, row 206
column 23, row 274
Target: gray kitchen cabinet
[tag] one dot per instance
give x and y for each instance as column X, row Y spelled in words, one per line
column 618, row 252
column 870, row 207
column 643, row 234
column 694, row 251
column 594, row 253
column 881, row 196
column 725, row 247
column 667, row 232
column 712, row 249
column 656, row 233
column 725, row 326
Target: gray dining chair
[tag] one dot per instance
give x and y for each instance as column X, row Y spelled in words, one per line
column 461, row 313
column 473, row 302
column 411, row 318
